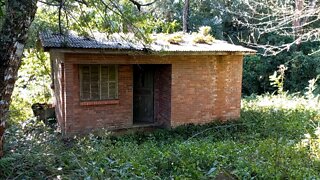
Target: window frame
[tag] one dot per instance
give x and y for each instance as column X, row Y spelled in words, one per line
column 116, row 81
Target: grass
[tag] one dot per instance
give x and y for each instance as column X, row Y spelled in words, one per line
column 277, row 137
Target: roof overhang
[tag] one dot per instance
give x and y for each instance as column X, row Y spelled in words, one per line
column 75, row 44
column 147, row 52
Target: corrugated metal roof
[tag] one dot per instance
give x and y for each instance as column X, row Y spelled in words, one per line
column 52, row 40
column 117, row 42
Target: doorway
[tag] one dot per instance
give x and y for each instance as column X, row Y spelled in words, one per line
column 143, row 93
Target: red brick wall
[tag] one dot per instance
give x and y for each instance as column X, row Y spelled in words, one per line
column 203, row 88
column 57, row 60
column 162, row 91
column 82, row 117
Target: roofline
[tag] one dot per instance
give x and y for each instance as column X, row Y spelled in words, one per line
column 146, row 52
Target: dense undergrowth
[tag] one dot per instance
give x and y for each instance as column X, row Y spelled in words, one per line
column 277, row 137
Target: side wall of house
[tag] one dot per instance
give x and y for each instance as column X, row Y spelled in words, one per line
column 203, row 88
column 229, row 84
column 57, row 65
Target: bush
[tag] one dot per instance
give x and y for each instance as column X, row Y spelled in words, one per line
column 269, row 141
column 203, row 35
column 32, row 85
column 301, row 69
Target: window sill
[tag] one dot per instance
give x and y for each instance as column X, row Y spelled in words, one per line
column 102, row 102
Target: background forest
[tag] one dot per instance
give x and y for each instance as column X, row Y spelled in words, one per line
column 255, row 24
column 277, row 136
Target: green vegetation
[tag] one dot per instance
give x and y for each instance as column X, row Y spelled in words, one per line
column 175, row 38
column 32, row 86
column 277, row 137
column 301, row 68
column 164, row 16
column 203, row 35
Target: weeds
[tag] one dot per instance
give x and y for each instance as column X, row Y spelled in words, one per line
column 278, row 80
column 269, row 141
column 203, row 35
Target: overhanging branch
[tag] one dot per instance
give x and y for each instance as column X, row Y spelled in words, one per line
column 139, row 5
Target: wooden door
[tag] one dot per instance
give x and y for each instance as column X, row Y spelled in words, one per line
column 143, row 102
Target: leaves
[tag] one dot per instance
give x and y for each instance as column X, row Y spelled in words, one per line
column 2, row 4
column 203, row 35
column 266, row 143
column 32, row 86
column 262, row 144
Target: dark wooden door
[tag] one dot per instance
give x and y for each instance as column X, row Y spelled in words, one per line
column 143, row 76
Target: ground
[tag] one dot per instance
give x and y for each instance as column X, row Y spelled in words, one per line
column 277, row 137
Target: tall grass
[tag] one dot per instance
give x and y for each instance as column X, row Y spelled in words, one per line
column 277, row 137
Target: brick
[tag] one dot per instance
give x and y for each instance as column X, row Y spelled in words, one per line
column 187, row 89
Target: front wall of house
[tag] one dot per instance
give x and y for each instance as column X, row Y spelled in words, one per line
column 83, row 117
column 203, row 88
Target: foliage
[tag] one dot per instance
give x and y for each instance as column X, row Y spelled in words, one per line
column 32, row 86
column 311, row 89
column 175, row 38
column 46, row 19
column 276, row 137
column 277, row 79
column 202, row 13
column 203, row 35
column 301, row 68
column 257, row 23
column 164, row 16
column 228, row 21
column 169, row 27
column 1, row 8
column 268, row 142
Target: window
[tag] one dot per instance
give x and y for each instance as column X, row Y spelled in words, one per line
column 98, row 82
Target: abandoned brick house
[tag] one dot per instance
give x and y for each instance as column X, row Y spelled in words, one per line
column 110, row 84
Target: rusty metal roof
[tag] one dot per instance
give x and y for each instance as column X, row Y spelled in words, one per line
column 117, row 42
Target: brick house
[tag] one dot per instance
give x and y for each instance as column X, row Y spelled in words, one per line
column 110, row 84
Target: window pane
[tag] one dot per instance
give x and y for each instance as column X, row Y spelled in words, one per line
column 85, row 83
column 98, row 82
column 113, row 90
column 112, row 72
column 95, row 88
column 104, row 82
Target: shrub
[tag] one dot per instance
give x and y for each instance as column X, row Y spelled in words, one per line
column 203, row 35
column 267, row 142
column 175, row 38
column 301, row 69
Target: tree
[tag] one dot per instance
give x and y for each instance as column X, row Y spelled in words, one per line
column 83, row 16
column 185, row 20
column 18, row 17
column 294, row 21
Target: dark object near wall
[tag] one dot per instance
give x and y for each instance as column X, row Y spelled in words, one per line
column 44, row 112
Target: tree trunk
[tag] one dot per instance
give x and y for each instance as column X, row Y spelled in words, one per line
column 185, row 17
column 13, row 35
column 297, row 24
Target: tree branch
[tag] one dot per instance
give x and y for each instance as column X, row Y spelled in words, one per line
column 49, row 4
column 59, row 16
column 82, row 2
column 139, row 5
column 285, row 19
